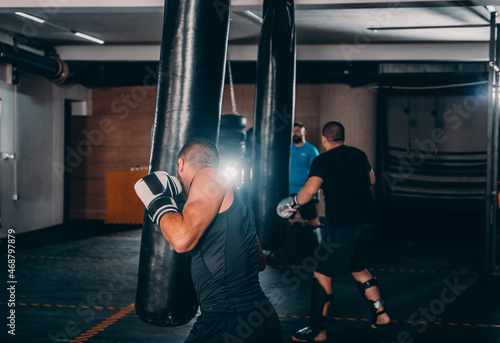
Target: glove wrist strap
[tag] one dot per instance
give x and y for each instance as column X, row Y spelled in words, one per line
column 296, row 203
column 160, row 206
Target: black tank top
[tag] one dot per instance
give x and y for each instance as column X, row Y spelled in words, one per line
column 224, row 264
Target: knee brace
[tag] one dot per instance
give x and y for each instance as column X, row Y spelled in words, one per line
column 363, row 286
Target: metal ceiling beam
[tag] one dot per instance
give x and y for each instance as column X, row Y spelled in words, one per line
column 446, row 52
column 358, row 4
column 314, row 4
column 237, row 5
column 109, row 52
column 80, row 3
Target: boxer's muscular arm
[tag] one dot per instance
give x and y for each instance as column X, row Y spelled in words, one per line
column 184, row 230
column 309, row 190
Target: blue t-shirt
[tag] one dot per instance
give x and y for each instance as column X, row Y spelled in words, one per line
column 300, row 161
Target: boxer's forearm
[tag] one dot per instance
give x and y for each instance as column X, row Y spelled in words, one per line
column 304, row 196
column 309, row 190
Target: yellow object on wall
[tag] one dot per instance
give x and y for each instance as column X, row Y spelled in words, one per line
column 123, row 205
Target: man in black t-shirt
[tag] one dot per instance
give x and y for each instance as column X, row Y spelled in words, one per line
column 345, row 175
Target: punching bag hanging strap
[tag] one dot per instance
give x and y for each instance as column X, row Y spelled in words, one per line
column 231, row 87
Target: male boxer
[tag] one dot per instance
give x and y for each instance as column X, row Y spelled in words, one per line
column 345, row 175
column 217, row 227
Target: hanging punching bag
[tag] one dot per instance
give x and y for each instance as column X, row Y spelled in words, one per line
column 188, row 105
column 273, row 120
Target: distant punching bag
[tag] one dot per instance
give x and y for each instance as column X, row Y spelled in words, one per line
column 273, row 120
column 188, row 105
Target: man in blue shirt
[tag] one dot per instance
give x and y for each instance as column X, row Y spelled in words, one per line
column 301, row 157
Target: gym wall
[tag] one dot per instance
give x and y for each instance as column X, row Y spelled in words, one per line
column 119, row 134
column 32, row 121
column 119, row 130
column 435, row 145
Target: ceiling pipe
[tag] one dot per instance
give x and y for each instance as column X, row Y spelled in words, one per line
column 52, row 68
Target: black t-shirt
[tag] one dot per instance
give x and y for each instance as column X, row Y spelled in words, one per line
column 346, row 186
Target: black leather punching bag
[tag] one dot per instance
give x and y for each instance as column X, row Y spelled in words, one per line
column 188, row 105
column 273, row 120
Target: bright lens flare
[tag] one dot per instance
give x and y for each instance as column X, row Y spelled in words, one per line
column 231, row 172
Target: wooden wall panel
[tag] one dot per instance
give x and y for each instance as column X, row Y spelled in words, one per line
column 117, row 136
column 124, row 100
column 307, row 107
column 107, row 158
column 308, row 91
column 113, row 130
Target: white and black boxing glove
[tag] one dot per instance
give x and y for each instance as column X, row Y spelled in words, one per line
column 157, row 191
column 287, row 207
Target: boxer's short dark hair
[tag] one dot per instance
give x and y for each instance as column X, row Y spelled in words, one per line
column 200, row 153
column 334, row 131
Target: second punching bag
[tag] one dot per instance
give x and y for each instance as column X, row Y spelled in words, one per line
column 188, row 105
column 273, row 120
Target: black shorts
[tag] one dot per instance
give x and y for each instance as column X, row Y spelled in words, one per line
column 258, row 325
column 307, row 211
column 344, row 250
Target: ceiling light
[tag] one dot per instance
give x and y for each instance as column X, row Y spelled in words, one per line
column 252, row 16
column 31, row 17
column 93, row 39
column 491, row 8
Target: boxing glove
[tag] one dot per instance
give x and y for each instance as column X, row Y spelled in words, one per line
column 287, row 207
column 156, row 192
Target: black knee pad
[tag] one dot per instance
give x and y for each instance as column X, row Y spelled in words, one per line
column 363, row 286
